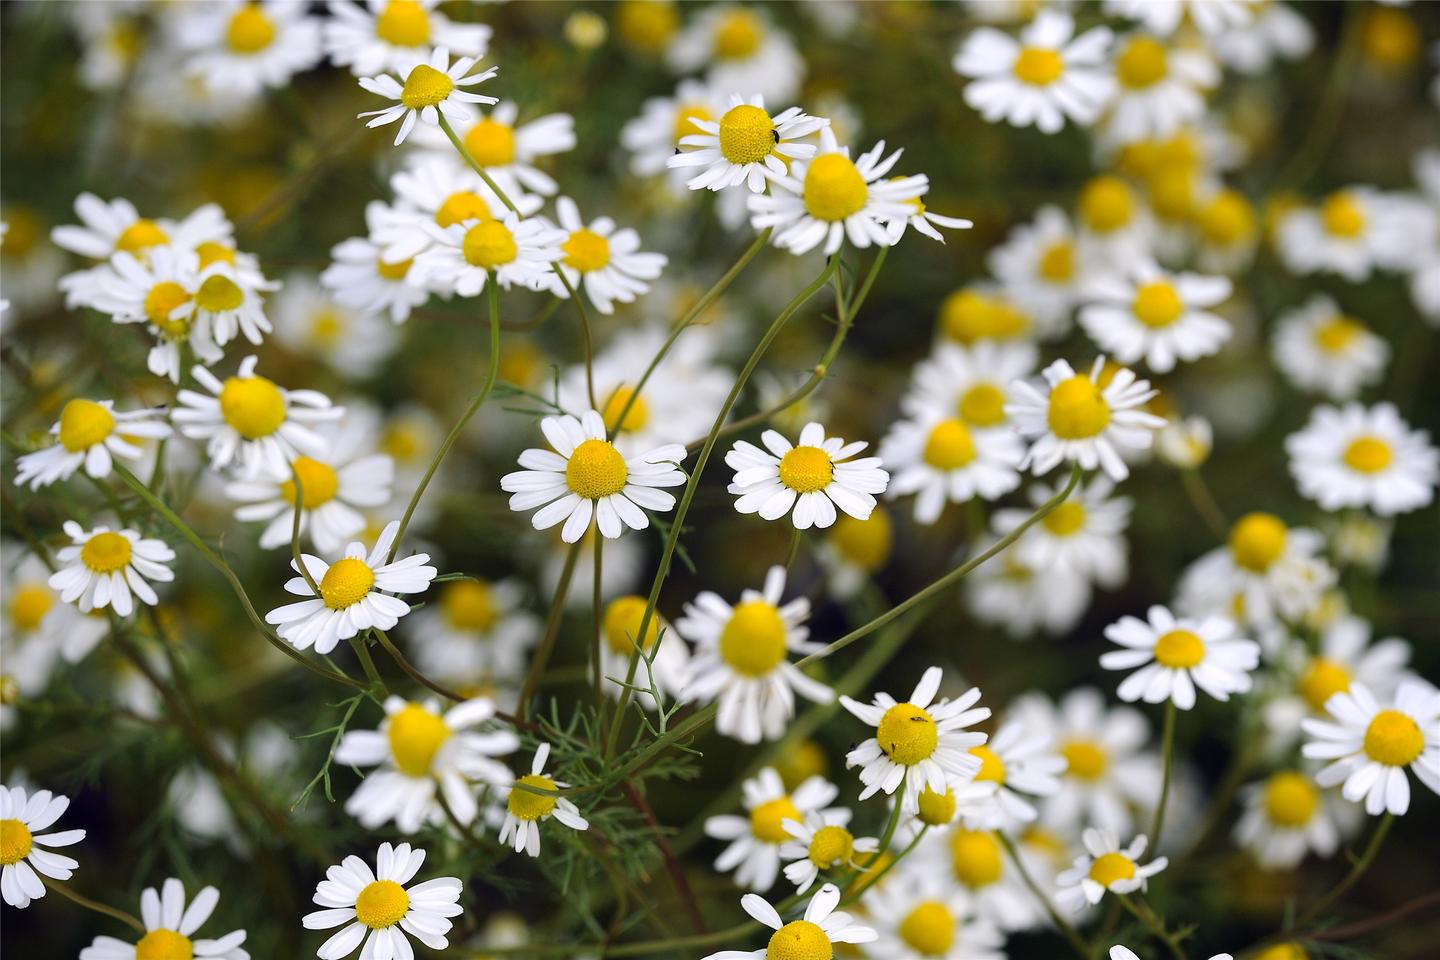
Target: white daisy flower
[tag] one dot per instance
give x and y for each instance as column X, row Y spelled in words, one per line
column 102, row 567
column 1425, row 265
column 814, row 477
column 1112, row 222
column 919, row 743
column 115, row 226
column 831, row 198
column 90, row 434
column 1356, row 457
column 478, row 632
column 607, row 262
column 741, row 658
column 1038, row 265
column 437, row 192
column 240, row 47
column 250, row 421
column 427, row 760
column 312, row 321
column 746, row 145
column 1322, row 350
column 620, row 634
column 1122, row 952
column 1155, row 316
column 1025, row 600
column 1352, row 231
column 1159, row 88
column 855, row 550
column 508, row 151
column 385, row 35
column 970, row 382
column 465, row 256
column 24, row 846
column 1227, row 231
column 524, row 811
column 355, row 594
column 1176, row 655
column 1185, row 443
column 1085, row 532
column 924, row 220
column 38, row 628
column 377, row 907
column 653, row 137
column 32, row 266
column 976, row 863
column 1048, row 76
column 169, row 926
column 920, row 913
column 941, row 460
column 811, row 938
column 821, row 843
column 158, row 291
column 360, row 277
column 1287, row 816
column 1083, row 419
column 757, row 838
column 1275, row 31
column 1105, row 866
column 742, row 49
column 1019, row 760
column 1370, row 745
column 585, row 477
column 430, row 86
column 229, row 300
column 1163, row 17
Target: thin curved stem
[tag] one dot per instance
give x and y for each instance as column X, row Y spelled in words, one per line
column 1153, row 923
column 411, row 671
column 1167, row 750
column 295, row 531
column 113, row 912
column 552, row 629
column 1356, row 872
column 1061, row 924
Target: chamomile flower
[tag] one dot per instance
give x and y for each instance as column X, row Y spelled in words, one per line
column 653, row 137
column 924, row 220
column 378, row 908
column 24, row 846
column 1105, row 866
column 917, row 744
column 1350, row 232
column 430, row 87
column 252, row 422
column 169, row 927
column 1322, row 350
column 1370, row 744
column 1039, row 267
column 856, row 550
column 821, row 843
column 666, row 669
column 1275, row 31
column 525, row 810
column 508, row 151
column 312, row 321
column 1163, row 17
column 742, row 49
column 976, row 863
column 1176, row 655
column 830, row 198
column 922, row 914
column 465, row 256
column 1185, row 443
column 158, row 291
column 1049, row 76
column 115, row 226
column 757, row 838
column 39, row 627
column 361, row 278
column 477, row 633
column 1025, row 600
column 423, row 756
column 1356, row 457
column 103, row 567
column 1154, row 316
column 229, row 300
column 1113, row 224
column 607, row 262
column 242, row 47
column 814, row 477
column 352, row 594
column 1085, row 532
column 382, row 35
column 942, row 459
column 90, row 434
column 1287, row 816
column 1159, row 88
column 741, row 657
column 969, row 381
column 1020, row 761
column 1082, row 418
column 745, row 146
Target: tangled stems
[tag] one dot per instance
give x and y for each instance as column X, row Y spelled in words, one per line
column 1061, row 924
column 88, row 904
column 1167, row 748
column 1356, row 871
column 1142, row 912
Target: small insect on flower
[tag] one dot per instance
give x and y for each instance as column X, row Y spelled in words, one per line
column 814, row 477
column 1177, row 655
column 102, row 567
column 526, row 809
column 1370, row 745
column 1105, row 866
column 90, row 433
column 24, row 848
column 429, row 89
column 745, row 146
column 377, row 907
column 169, row 927
column 811, row 938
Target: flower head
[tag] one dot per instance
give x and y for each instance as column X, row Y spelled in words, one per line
column 376, row 906
column 429, row 88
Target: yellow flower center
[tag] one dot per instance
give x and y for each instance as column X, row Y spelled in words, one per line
column 1227, row 220
column 805, row 760
column 1368, row 455
column 1337, row 333
column 975, row 857
column 469, row 605
column 1077, row 409
column 15, row 841
column 865, row 543
column 1390, row 38
column 403, row 23
column 753, row 640
column 747, row 134
column 24, row 231
column 907, row 734
column 1284, row 951
column 1111, row 867
column 685, row 117
column 1322, row 679
column 425, row 87
column 1142, row 63
column 596, row 470
column 249, row 30
column 1065, row 520
column 1106, row 204
column 830, row 847
column 525, row 805
column 1179, row 649
column 383, row 903
column 949, row 445
column 621, row 624
column 395, row 271
column 1157, row 305
column 1342, row 215
column 1257, row 540
column 326, row 327
column 162, row 299
column 806, row 469
column 489, row 245
column 318, row 483
column 218, row 294
column 992, row 768
column 766, row 820
column 1038, row 66
column 929, row 929
column 491, row 143
column 738, row 35
column 799, row 940
column 1290, row 799
column 253, row 406
column 415, row 736
column 106, row 552
column 346, row 583
column 586, row 250
column 936, row 809
column 29, row 604
column 84, row 423
column 164, row 945
column 1393, row 738
column 834, row 188
column 635, row 418
column 1085, row 759
column 140, row 235
column 459, row 206
column 1057, row 262
column 983, row 405
column 969, row 315
column 211, row 252
column 647, row 25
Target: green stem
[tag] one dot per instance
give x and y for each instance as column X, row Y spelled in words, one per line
column 1356, row 872
column 410, row 669
column 1167, row 751
column 1061, row 924
column 88, row 904
column 295, row 531
column 1205, row 503
column 595, row 633
column 552, row 629
column 362, row 652
column 793, row 549
column 1154, row 924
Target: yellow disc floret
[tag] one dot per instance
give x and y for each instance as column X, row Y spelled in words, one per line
column 469, row 605
column 799, row 940
column 738, row 34
column 1085, row 759
column 747, row 134
column 416, row 735
column 929, row 928
column 140, row 235
column 219, row 294
column 1112, row 867
column 1038, row 66
column 1393, row 738
column 992, row 768
column 253, row 406
column 29, row 604
column 949, row 445
column 394, row 271
column 1257, row 540
column 1283, row 951
column 106, row 552
column 806, row 469
column 586, row 250
column 767, row 819
column 404, row 23
column 1077, row 409
column 525, row 805
column 164, row 945
column 1342, row 215
column 1157, row 305
column 84, row 423
column 460, row 206
column 15, row 841
column 425, row 87
column 646, row 25
column 488, row 245
column 1106, row 204
column 975, row 857
column 1227, row 220
column 161, row 301
column 1179, row 649
column 1142, row 63
column 1066, row 520
column 621, row 624
column 1368, row 455
column 1291, row 799
column 935, row 809
column 596, row 470
column 983, row 405
column 969, row 315
column 830, row 847
column 1337, row 333
column 1322, row 679
column 685, row 117
column 635, row 418
column 753, row 641
column 491, row 143
column 865, row 543
column 318, row 483
column 383, row 903
column 907, row 734
column 834, row 188
column 346, row 583
column 249, row 30
column 1057, row 262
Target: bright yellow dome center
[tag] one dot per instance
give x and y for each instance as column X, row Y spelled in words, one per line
column 1291, row 799
column 383, row 903
column 1322, row 679
column 1066, row 520
column 469, row 605
column 403, row 23
column 1085, row 759
column 253, row 406
column 753, row 641
column 416, row 735
column 969, row 315
column 992, row 768
column 1227, row 220
column 646, row 25
column 1393, row 738
column 806, row 469
column 834, row 188
column 767, row 819
column 983, row 405
column 1342, row 215
column 830, row 847
column 161, row 301
column 397, row 270
column 164, row 945
column 460, row 206
column 525, row 805
column 907, row 734
column 1179, row 649
column 15, row 841
column 425, row 87
column 1106, row 204
column 491, row 143
column 106, row 552
column 1368, row 455
column 936, row 809
column 140, row 235
column 747, row 134
column 1038, row 66
column 318, row 483
column 799, row 940
column 738, row 34
column 84, row 423
column 1142, row 63
column 346, row 583
column 685, row 117
column 928, row 929
column 865, row 543
column 1157, row 305
column 949, row 445
column 596, row 470
column 219, row 294
column 1077, row 409
column 621, row 624
column 1057, row 262
column 975, row 857
column 1283, row 951
column 635, row 418
column 488, row 245
column 586, row 250
column 1111, row 867
column 1257, row 540
column 28, row 605
column 1337, row 333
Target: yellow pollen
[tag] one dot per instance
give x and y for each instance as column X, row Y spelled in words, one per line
column 249, row 30
column 84, row 423
column 992, row 768
column 969, row 315
column 1342, row 215
column 1038, row 66
column 383, row 903
column 1284, row 951
column 106, row 552
column 766, row 820
column 834, row 188
column 865, row 543
column 753, row 641
column 1077, row 409
column 1111, row 867
column 1106, row 204
column 1085, row 759
column 425, row 87
column 747, row 134
column 1291, row 799
column 491, row 143
column 975, row 857
column 218, row 294
column 1228, row 219
column 415, row 736
column 469, row 605
column 403, row 23
column 211, row 252
column 326, row 327
column 140, row 235
column 738, row 35
column 24, row 232
column 395, row 271
column 646, row 25
column 983, row 405
column 1179, row 649
column 907, row 734
column 164, row 945
column 1390, row 38
column 1322, row 679
column 929, row 929
column 161, row 301
column 525, row 805
column 29, row 604
column 1368, row 455
column 799, row 940
column 1157, row 305
column 1393, row 738
column 830, row 847
column 15, row 841
column 253, row 406
column 489, row 245
column 1065, row 520
column 1142, row 63
column 1057, row 262
column 635, row 418
column 318, row 483
column 459, row 206
column 596, row 470
column 346, row 583
column 586, row 250
column 936, row 809
column 1257, row 540
column 621, row 624
column 685, row 117
column 949, row 445
column 806, row 469
column 1337, row 333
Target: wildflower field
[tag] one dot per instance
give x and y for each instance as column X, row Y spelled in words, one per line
column 821, row 480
